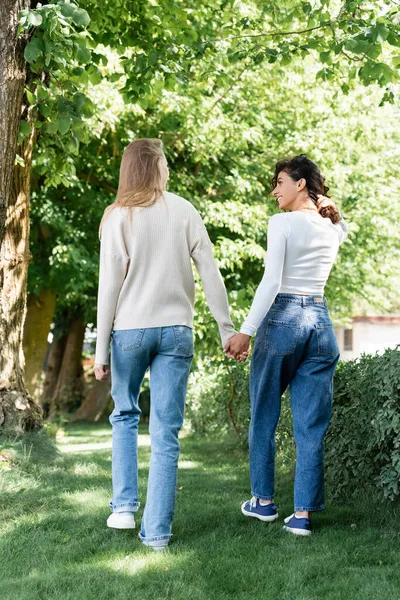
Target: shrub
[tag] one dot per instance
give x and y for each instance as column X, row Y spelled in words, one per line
column 363, row 440
column 219, row 402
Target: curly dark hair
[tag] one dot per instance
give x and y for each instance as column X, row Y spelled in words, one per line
column 301, row 167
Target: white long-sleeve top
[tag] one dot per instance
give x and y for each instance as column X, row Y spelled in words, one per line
column 302, row 248
column 146, row 277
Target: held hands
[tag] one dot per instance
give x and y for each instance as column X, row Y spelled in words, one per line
column 238, row 347
column 101, row 372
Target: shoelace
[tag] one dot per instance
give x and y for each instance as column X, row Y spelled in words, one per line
column 253, row 502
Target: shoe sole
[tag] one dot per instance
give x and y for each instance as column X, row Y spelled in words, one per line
column 296, row 531
column 266, row 519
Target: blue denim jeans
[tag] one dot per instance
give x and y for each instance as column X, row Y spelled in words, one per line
column 168, row 352
column 295, row 346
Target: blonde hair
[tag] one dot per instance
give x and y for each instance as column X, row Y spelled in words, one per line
column 139, row 176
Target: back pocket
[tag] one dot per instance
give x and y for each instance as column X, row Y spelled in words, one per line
column 184, row 339
column 128, row 339
column 327, row 343
column 281, row 337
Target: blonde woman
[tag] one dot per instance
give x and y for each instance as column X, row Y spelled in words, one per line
column 145, row 305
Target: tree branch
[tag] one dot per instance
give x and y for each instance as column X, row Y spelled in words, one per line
column 272, row 34
column 246, row 66
column 89, row 178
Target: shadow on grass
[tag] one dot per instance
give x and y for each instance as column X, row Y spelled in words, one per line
column 55, row 542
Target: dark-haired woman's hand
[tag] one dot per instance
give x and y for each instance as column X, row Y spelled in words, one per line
column 324, row 202
column 238, row 347
column 328, row 209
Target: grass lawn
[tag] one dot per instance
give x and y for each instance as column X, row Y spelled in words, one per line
column 55, row 544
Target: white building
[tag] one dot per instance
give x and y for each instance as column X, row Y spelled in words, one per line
column 368, row 335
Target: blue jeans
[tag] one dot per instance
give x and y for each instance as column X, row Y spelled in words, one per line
column 168, row 352
column 295, row 346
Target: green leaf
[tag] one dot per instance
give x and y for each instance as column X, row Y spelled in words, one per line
column 45, row 110
column 42, row 93
column 396, row 61
column 153, row 57
column 31, row 52
column 325, row 74
column 64, row 124
column 31, row 97
column 95, row 76
column 378, row 72
column 83, row 55
column 81, row 17
column 24, row 128
column 68, row 9
column 374, row 51
column 325, row 57
column 34, row 19
column 79, row 101
column 357, row 46
column 286, row 59
column 143, row 102
column 380, row 32
column 51, row 127
column 140, row 64
column 394, row 39
column 115, row 77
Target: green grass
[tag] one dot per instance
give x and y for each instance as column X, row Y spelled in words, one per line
column 54, row 543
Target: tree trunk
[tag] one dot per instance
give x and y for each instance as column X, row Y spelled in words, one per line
column 54, row 361
column 70, row 385
column 95, row 402
column 39, row 315
column 18, row 411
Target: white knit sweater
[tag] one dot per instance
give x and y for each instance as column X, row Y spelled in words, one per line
column 146, row 277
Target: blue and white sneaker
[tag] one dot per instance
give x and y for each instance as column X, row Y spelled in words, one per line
column 297, row 525
column 253, row 508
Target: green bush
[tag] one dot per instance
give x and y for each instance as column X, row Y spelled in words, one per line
column 363, row 440
column 219, row 402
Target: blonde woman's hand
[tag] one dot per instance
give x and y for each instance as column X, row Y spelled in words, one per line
column 101, row 372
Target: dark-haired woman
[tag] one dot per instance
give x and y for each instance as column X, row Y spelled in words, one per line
column 295, row 344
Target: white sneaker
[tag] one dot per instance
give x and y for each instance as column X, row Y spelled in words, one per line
column 157, row 546
column 121, row 521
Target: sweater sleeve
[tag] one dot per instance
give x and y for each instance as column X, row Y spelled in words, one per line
column 342, row 230
column 213, row 285
column 272, row 278
column 114, row 262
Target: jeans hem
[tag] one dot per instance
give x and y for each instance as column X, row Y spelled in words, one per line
column 261, row 497
column 157, row 538
column 131, row 506
column 309, row 508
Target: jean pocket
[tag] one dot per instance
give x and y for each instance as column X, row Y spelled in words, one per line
column 327, row 343
column 128, row 339
column 281, row 337
column 184, row 339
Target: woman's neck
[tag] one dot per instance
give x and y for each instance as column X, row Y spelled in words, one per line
column 304, row 203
